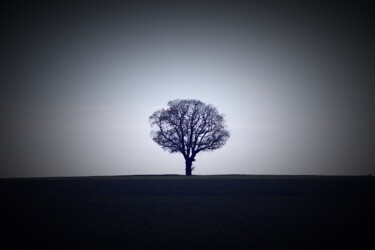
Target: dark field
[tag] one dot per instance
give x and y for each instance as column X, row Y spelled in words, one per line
column 177, row 212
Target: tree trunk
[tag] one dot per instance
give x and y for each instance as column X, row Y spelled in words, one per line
column 188, row 163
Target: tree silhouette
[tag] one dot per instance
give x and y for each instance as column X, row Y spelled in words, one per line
column 188, row 127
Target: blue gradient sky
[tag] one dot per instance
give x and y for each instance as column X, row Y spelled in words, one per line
column 79, row 88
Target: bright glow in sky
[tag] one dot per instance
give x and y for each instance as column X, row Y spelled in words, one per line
column 81, row 103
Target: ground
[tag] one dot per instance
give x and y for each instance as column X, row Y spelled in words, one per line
column 178, row 212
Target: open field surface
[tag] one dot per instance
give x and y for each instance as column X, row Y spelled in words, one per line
column 178, row 212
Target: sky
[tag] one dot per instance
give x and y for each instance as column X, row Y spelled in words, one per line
column 79, row 82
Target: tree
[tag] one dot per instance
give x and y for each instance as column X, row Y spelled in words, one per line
column 188, row 127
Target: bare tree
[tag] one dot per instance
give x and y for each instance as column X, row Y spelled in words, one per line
column 188, row 127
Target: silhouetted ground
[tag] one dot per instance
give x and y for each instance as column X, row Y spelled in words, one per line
column 178, row 212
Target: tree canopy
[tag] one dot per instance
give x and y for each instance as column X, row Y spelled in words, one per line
column 189, row 127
